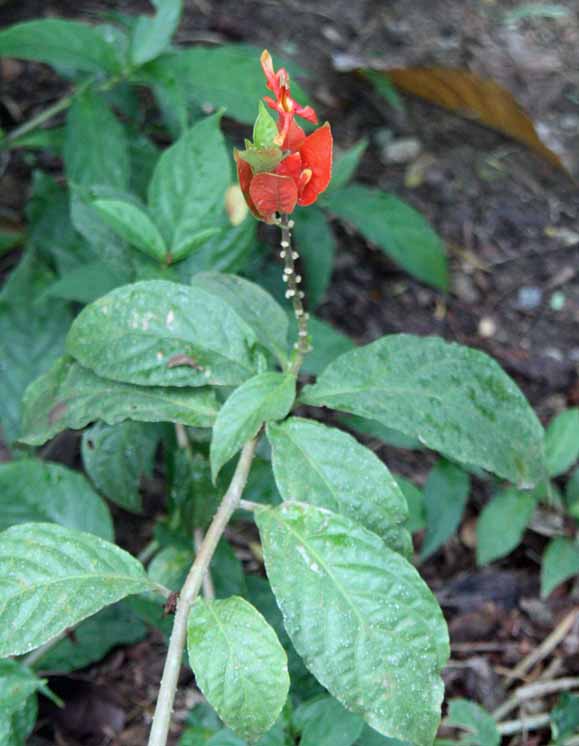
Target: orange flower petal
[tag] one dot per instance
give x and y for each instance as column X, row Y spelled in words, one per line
column 271, row 193
column 316, row 153
column 290, row 166
column 307, row 113
column 245, row 175
column 294, row 138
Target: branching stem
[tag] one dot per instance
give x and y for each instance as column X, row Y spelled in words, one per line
column 190, row 591
column 293, row 293
column 44, row 116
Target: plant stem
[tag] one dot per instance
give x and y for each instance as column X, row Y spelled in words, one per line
column 59, row 106
column 190, row 591
column 33, row 657
column 147, row 552
column 208, row 589
column 39, row 119
column 249, row 505
column 293, row 293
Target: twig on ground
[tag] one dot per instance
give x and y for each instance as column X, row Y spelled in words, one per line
column 534, row 691
column 532, row 722
column 547, row 646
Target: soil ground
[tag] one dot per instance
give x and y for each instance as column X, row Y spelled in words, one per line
column 510, row 222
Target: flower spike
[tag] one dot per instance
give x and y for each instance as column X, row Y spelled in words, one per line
column 292, row 168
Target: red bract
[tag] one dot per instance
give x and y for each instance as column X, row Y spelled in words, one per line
column 305, row 168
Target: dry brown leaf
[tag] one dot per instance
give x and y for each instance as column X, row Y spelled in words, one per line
column 477, row 98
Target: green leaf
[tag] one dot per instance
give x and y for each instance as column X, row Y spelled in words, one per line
column 170, row 566
column 53, row 578
column 226, row 251
column 325, row 722
column 454, row 399
column 317, row 247
column 346, row 164
column 115, row 457
column 31, row 337
column 160, row 333
column 562, row 442
column 46, row 139
column 398, row 229
column 191, row 488
column 17, row 684
column 251, row 303
column 560, row 562
column 445, row 494
column 565, row 718
column 133, row 225
column 187, row 191
column 481, row 726
column 572, row 494
column 384, row 86
column 151, row 36
column 239, row 664
column 18, row 708
column 328, row 343
column 102, row 240
column 94, row 638
column 50, row 229
column 9, row 239
column 265, row 129
column 227, row 572
column 378, row 640
column 60, row 43
column 37, row 491
column 84, row 284
column 377, row 430
column 70, row 396
column 502, row 523
column 259, row 593
column 264, row 398
column 96, row 150
column 17, row 726
column 226, row 76
column 326, row 467
column 370, row 737
column 415, row 502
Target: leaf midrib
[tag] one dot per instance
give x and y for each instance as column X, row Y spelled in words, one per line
column 323, row 564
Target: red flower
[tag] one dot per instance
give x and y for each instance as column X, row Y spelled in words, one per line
column 276, row 179
column 279, row 84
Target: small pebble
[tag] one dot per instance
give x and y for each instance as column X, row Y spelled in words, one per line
column 529, row 298
column 557, row 301
column 404, row 150
column 487, row 327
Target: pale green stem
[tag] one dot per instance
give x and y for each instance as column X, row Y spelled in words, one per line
column 190, row 591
